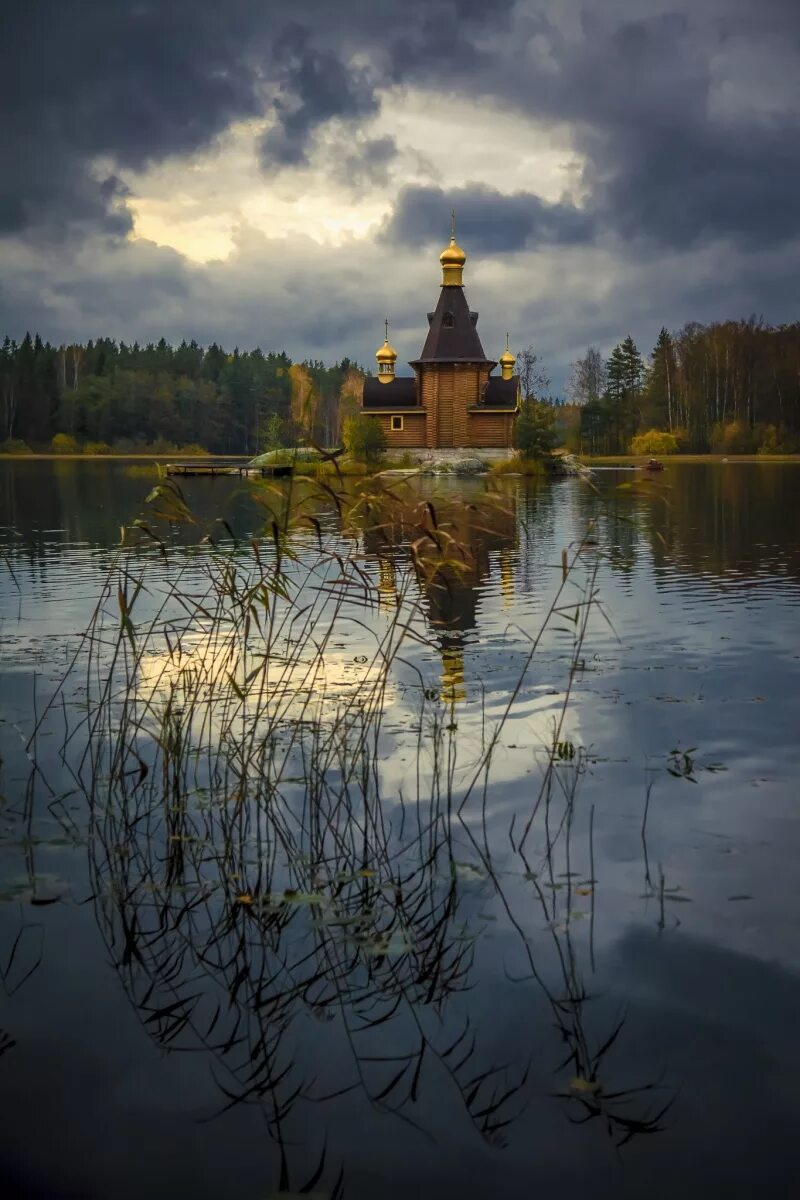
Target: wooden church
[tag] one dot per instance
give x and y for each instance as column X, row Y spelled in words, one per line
column 453, row 399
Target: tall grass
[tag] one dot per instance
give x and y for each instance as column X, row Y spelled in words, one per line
column 267, row 876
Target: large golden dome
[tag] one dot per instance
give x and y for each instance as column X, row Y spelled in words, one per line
column 452, row 259
column 452, row 255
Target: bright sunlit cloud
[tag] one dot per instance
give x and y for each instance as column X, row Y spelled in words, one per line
column 195, row 205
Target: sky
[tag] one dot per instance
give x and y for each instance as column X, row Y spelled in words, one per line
column 264, row 173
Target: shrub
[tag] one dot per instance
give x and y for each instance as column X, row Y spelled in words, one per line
column 518, row 466
column 364, row 438
column 192, row 451
column 126, row 446
column 654, row 441
column 771, row 441
column 64, row 443
column 274, row 435
column 775, row 439
column 534, row 431
column 735, row 437
column 97, row 448
column 15, row 446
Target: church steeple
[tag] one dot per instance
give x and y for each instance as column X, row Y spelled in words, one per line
column 452, row 258
column 452, row 334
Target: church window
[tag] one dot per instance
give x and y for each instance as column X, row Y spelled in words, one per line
column 447, row 321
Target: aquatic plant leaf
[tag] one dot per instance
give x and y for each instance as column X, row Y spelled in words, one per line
column 385, row 945
column 351, row 876
column 588, row 1086
column 335, row 922
column 292, row 897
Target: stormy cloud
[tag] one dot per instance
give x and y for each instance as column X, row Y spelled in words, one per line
column 315, row 86
column 645, row 141
column 488, row 221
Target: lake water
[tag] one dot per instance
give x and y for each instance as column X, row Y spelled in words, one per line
column 566, row 958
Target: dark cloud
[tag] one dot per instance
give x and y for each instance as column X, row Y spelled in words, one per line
column 488, row 220
column 134, row 81
column 315, row 85
column 361, row 164
column 128, row 81
column 682, row 146
column 687, row 120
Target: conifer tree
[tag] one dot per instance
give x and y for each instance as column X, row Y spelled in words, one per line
column 625, row 373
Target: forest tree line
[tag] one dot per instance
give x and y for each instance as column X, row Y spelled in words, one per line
column 732, row 386
column 106, row 396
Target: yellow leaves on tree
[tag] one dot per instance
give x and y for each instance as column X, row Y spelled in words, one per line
column 350, row 395
column 654, row 441
column 304, row 397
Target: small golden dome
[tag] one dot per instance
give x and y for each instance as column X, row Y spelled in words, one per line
column 386, row 356
column 386, row 353
column 507, row 362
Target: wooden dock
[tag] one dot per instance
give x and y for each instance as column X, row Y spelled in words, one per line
column 227, row 466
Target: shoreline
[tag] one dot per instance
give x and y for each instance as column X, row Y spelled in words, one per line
column 122, row 457
column 636, row 459
column 607, row 459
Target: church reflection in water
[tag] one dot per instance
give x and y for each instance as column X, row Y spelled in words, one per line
column 457, row 547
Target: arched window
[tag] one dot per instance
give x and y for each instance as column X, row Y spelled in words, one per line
column 447, row 321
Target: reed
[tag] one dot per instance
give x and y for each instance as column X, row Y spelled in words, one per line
column 265, row 876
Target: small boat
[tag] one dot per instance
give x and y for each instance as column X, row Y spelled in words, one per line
column 653, row 464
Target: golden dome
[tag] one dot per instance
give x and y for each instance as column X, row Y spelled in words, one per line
column 507, row 362
column 452, row 255
column 386, row 356
column 452, row 259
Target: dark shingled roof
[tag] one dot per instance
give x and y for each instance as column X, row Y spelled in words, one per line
column 500, row 393
column 400, row 393
column 452, row 336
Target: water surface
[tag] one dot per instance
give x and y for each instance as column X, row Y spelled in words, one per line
column 151, row 1051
